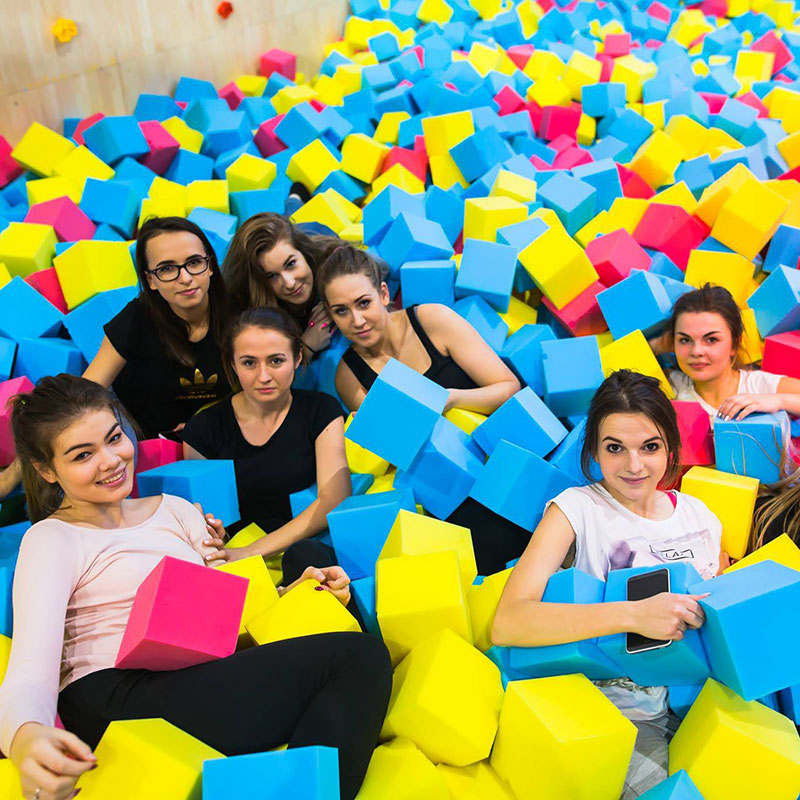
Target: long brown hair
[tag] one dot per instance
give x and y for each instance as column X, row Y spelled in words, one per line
column 41, row 415
column 346, row 259
column 172, row 330
column 245, row 278
column 783, row 495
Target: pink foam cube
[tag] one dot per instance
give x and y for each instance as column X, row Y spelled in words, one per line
column 559, row 121
column 520, row 54
column 754, row 101
column 85, row 123
column 608, row 66
column 617, row 44
column 782, row 354
column 659, row 11
column 714, row 101
column 154, row 453
column 672, row 231
column 232, row 95
column 581, row 316
column 572, row 156
column 279, row 61
column 8, row 389
column 45, row 281
column 163, row 146
column 318, row 105
column 697, row 438
column 770, row 43
column 615, row 254
column 413, row 162
column 266, row 139
column 183, row 614
column 68, row 221
column 633, row 185
column 9, row 169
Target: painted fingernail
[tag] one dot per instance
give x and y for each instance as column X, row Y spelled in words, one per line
column 324, row 324
column 318, row 589
column 311, row 324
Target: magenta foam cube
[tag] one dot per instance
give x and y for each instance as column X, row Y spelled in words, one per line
column 697, row 437
column 163, row 146
column 154, row 453
column 279, row 61
column 232, row 95
column 183, row 614
column 266, row 140
column 8, row 389
column 581, row 316
column 9, row 169
column 782, row 354
column 615, row 254
column 85, row 123
column 559, row 121
column 45, row 281
column 68, row 221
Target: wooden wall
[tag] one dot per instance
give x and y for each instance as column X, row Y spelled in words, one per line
column 125, row 47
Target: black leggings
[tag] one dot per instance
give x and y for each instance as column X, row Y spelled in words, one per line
column 330, row 689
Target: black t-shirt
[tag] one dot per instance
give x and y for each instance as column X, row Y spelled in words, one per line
column 267, row 474
column 159, row 392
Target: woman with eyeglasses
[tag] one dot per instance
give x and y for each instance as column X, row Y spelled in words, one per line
column 161, row 352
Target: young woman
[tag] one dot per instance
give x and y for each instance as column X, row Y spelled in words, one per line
column 161, row 353
column 281, row 440
column 706, row 332
column 435, row 341
column 622, row 521
column 84, row 559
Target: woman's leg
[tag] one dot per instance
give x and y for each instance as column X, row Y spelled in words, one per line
column 331, row 689
column 650, row 761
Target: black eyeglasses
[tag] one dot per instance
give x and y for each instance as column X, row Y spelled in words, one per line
column 196, row 265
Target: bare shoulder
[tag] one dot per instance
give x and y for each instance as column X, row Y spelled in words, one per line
column 436, row 316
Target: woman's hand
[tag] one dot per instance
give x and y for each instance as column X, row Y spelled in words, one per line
column 317, row 335
column 667, row 615
column 661, row 344
column 331, row 579
column 740, row 405
column 50, row 760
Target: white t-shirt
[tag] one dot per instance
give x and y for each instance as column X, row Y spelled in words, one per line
column 609, row 536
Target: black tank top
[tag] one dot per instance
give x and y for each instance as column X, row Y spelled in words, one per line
column 443, row 369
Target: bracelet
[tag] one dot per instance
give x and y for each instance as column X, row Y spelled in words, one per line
column 315, row 352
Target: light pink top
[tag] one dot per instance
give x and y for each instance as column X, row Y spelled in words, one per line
column 73, row 592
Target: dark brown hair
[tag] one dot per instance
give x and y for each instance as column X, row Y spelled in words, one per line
column 41, row 415
column 266, row 318
column 245, row 278
column 713, row 299
column 628, row 392
column 346, row 259
column 172, row 330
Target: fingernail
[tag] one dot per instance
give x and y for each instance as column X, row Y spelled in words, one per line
column 324, row 324
column 318, row 589
column 310, row 324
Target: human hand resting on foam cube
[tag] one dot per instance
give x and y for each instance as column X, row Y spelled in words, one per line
column 331, row 579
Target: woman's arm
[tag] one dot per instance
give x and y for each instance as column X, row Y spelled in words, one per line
column 106, row 365
column 10, row 478
column 787, row 399
column 496, row 382
column 348, row 387
column 333, row 482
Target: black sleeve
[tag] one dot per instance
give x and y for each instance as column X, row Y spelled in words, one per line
column 204, row 433
column 324, row 410
column 122, row 330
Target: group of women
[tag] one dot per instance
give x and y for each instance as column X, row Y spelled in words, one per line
column 232, row 339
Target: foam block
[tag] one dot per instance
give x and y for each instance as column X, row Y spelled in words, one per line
column 67, row 220
column 90, row 267
column 752, row 446
column 312, row 164
column 489, row 324
column 572, row 199
column 638, row 302
column 27, row 247
column 45, row 282
column 782, row 354
column 522, row 351
column 114, row 138
column 10, row 784
column 475, row 782
column 776, row 302
column 280, row 61
column 483, row 216
column 261, row 591
column 482, row 600
column 113, row 202
column 547, row 726
column 428, row 282
column 360, row 460
column 633, row 352
column 697, row 440
column 85, row 323
column 679, row 787
column 446, row 698
column 402, row 757
column 614, row 255
column 572, row 373
column 670, row 230
column 781, row 550
column 25, row 314
column 39, row 357
column 413, row 238
column 40, row 149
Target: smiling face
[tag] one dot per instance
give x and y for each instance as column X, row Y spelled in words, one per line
column 264, row 363
column 632, row 455
column 187, row 292
column 92, row 460
column 288, row 273
column 703, row 345
column 358, row 308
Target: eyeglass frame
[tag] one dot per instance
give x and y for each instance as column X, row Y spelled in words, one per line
column 206, row 259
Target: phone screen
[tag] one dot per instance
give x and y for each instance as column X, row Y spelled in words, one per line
column 640, row 587
column 175, row 436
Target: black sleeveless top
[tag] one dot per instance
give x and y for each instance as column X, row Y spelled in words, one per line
column 443, row 369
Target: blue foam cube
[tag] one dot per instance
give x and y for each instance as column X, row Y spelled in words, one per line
column 640, row 301
column 114, row 138
column 363, row 591
column 8, row 349
column 681, row 662
column 479, row 152
column 256, row 201
column 682, row 697
column 138, row 175
column 428, row 282
column 212, row 483
column 189, row 89
column 789, row 701
column 523, row 420
column 156, row 106
column 85, row 323
column 399, row 393
column 572, row 374
column 26, row 314
column 385, row 208
column 572, row 199
column 567, row 457
column 631, row 128
column 776, row 302
column 487, row 269
column 445, row 206
column 300, row 126
column 522, row 352
column 568, row 586
column 598, row 99
column 677, row 787
column 39, row 357
column 489, row 324
column 413, row 238
column 499, row 656
column 188, row 166
column 752, row 446
column 112, row 202
column 784, row 248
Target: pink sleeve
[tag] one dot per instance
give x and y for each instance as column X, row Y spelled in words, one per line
column 47, row 571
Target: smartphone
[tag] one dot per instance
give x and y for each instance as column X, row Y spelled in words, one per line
column 175, row 436
column 640, row 587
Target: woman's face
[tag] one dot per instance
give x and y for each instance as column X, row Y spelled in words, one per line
column 93, row 460
column 358, row 308
column 632, row 454
column 187, row 292
column 288, row 273
column 264, row 364
column 703, row 345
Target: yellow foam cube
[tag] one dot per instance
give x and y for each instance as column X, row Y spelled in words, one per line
column 475, row 782
column 261, row 591
column 311, row 165
column 731, row 497
column 679, row 194
column 251, row 85
column 40, row 149
column 446, row 130
column 80, row 164
column 587, row 130
column 5, row 653
column 446, row 698
column 782, row 550
column 329, row 90
column 548, row 726
column 633, row 352
column 487, row 8
column 558, row 266
column 730, row 270
column 597, row 225
column 352, row 233
column 302, row 611
column 790, row 190
column 518, row 314
column 466, row 420
column 161, row 207
column 549, row 91
column 633, row 72
column 357, row 31
column 749, row 218
column 657, row 159
column 716, row 194
column 91, row 266
column 363, row 157
column 383, row 483
column 752, row 349
column 688, row 133
column 169, row 191
column 753, row 66
column 400, row 771
column 484, row 215
column 417, row 596
column 516, row 187
column 250, row 172
column 718, row 142
column 784, row 104
column 483, row 57
column 362, row 461
column 150, row 758
column 626, row 213
column 789, row 148
column 434, row 11
column 388, row 128
column 27, row 247
column 581, row 71
column 544, row 63
column 212, row 195
column 654, row 112
column 689, row 27
column 445, row 172
column 482, row 600
column 759, row 747
column 398, row 175
column 43, row 189
column 290, row 96
column 188, row 138
column 10, row 786
column 246, row 536
column 348, row 76
column 324, row 210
